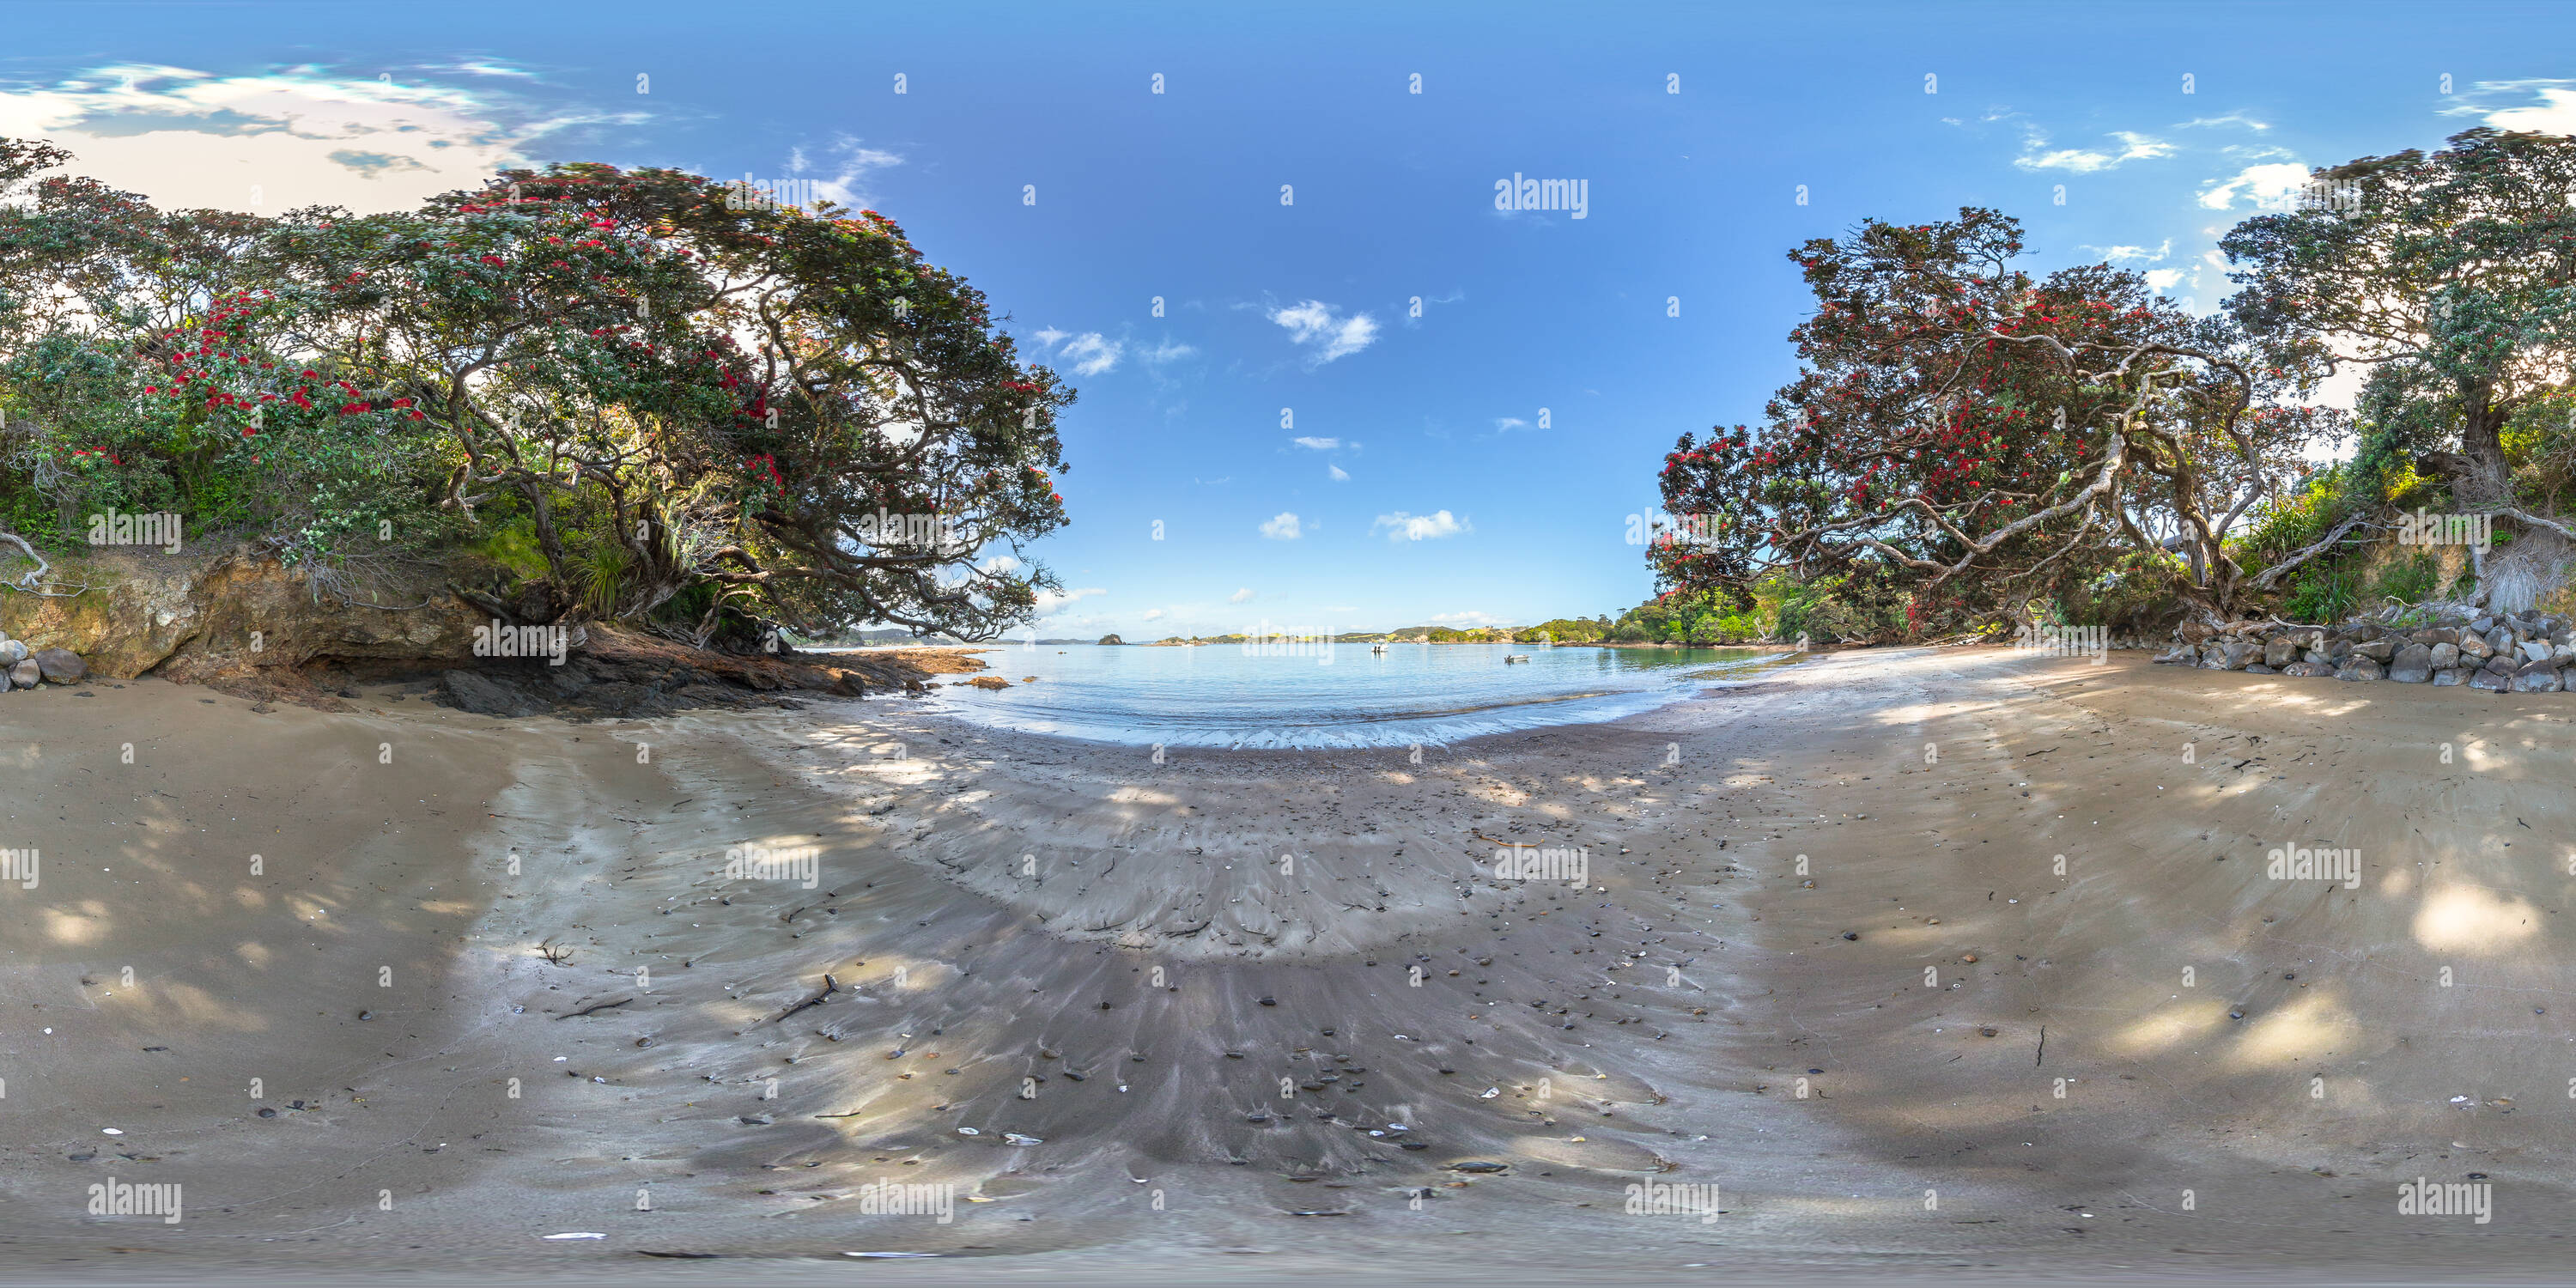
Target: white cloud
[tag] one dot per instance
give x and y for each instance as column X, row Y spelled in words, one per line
column 486, row 67
column 1282, row 528
column 2265, row 185
column 2163, row 279
column 1312, row 324
column 1506, row 424
column 1318, row 444
column 1051, row 600
column 1465, row 619
column 1164, row 351
column 1153, row 614
column 277, row 140
column 1239, row 596
column 2232, row 118
column 2075, row 159
column 851, row 164
column 2115, row 254
column 1090, row 353
column 2133, row 147
column 998, row 565
column 1401, row 526
column 2555, row 113
column 1336, row 473
column 2139, row 147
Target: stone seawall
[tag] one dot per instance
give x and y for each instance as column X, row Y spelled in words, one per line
column 2495, row 652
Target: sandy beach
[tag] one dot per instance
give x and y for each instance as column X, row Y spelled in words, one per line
column 1947, row 961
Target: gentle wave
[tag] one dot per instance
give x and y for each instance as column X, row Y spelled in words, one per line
column 1342, row 697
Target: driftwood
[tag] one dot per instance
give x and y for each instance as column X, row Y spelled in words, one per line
column 32, row 582
column 830, row 986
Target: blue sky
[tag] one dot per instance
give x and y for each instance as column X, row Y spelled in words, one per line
column 1474, row 464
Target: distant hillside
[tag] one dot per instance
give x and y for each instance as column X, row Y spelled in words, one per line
column 1568, row 630
column 893, row 635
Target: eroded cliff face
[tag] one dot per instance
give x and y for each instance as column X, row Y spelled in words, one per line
column 231, row 612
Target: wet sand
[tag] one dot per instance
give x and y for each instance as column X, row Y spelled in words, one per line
column 1108, row 956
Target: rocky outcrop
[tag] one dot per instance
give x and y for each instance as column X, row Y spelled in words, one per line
column 622, row 673
column 238, row 612
column 2447, row 646
column 242, row 622
column 484, row 696
column 1111, row 639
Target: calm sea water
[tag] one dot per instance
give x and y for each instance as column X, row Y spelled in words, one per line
column 1342, row 695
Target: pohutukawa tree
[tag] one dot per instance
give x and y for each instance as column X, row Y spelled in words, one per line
column 560, row 342
column 1976, row 439
column 655, row 404
column 2450, row 278
column 91, row 278
column 905, row 448
column 788, row 408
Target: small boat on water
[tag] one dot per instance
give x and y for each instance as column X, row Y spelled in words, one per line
column 1510, row 658
column 1379, row 648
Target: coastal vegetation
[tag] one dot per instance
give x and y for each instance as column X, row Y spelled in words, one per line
column 1969, row 447
column 582, row 392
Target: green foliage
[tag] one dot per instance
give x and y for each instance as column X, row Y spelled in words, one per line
column 1964, row 437
column 1852, row 609
column 602, row 578
column 2324, row 592
column 512, row 546
column 2335, row 584
column 2408, row 579
column 2540, row 445
column 1703, row 619
column 1567, row 630
column 665, row 406
column 2300, row 519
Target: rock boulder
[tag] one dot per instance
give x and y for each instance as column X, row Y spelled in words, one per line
column 60, row 665
column 2537, row 678
column 467, row 691
column 2412, row 665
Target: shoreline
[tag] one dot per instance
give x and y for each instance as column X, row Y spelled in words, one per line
column 1390, row 730
column 1682, row 999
